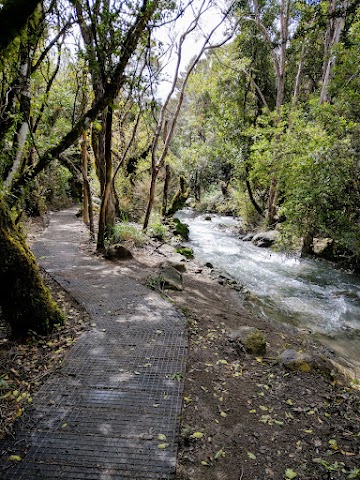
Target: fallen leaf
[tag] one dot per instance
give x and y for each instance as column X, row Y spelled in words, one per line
column 290, row 474
column 161, row 436
column 15, row 458
column 251, row 455
column 162, row 446
column 197, row 435
column 219, row 453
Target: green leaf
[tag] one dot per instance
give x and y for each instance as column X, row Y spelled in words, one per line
column 162, row 446
column 219, row 453
column 289, row 474
column 15, row 458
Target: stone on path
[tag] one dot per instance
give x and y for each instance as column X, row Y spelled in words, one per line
column 171, row 277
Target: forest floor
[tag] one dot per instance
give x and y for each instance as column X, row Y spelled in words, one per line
column 244, row 417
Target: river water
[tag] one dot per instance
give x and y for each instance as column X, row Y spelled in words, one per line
column 313, row 296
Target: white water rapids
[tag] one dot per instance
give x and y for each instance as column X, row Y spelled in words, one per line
column 307, row 294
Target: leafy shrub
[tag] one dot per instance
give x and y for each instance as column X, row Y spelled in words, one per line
column 158, row 231
column 127, row 232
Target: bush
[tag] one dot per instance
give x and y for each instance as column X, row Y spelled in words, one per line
column 127, row 232
column 158, row 231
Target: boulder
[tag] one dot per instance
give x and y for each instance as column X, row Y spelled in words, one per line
column 265, row 239
column 171, row 278
column 175, row 263
column 181, row 229
column 250, row 339
column 248, row 237
column 117, row 251
column 304, row 362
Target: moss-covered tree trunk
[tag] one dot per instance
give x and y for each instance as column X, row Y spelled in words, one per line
column 179, row 199
column 26, row 304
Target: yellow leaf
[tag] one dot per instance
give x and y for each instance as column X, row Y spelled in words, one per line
column 262, row 407
column 221, row 362
column 161, row 436
column 204, row 463
column 162, row 446
column 197, row 435
column 19, row 412
column 223, row 414
column 15, row 458
column 188, row 399
column 252, row 456
column 219, row 454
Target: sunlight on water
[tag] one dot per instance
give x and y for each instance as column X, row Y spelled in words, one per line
column 308, row 294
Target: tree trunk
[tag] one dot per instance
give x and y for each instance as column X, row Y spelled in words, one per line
column 252, row 199
column 154, row 174
column 23, row 127
column 272, row 201
column 336, row 15
column 107, row 209
column 166, row 190
column 26, row 303
column 307, row 244
column 180, row 197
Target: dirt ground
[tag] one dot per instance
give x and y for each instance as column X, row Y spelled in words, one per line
column 244, row 417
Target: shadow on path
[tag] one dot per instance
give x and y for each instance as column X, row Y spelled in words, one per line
column 120, row 386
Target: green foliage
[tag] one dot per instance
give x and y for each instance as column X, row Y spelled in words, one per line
column 185, row 251
column 127, row 232
column 180, row 228
column 159, row 231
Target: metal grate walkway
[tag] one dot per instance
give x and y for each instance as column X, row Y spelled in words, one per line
column 120, row 386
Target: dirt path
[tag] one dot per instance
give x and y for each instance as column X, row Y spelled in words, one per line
column 112, row 411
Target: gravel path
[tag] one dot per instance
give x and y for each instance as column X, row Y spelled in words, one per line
column 113, row 410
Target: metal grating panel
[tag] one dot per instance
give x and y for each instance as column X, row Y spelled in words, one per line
column 120, row 386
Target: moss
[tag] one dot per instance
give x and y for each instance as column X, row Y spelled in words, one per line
column 180, row 197
column 255, row 343
column 180, row 228
column 185, row 251
column 25, row 301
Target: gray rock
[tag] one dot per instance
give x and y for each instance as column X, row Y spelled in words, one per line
column 249, row 339
column 248, row 237
column 304, row 362
column 118, row 251
column 171, row 278
column 175, row 263
column 265, row 239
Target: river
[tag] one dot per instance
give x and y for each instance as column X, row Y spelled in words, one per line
column 311, row 295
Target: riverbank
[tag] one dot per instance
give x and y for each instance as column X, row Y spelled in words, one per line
column 244, row 416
